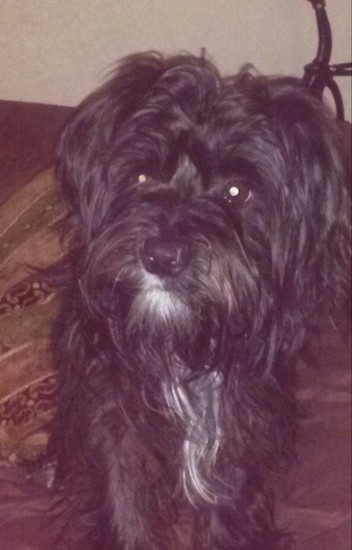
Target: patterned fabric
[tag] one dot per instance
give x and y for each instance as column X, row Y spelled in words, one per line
column 27, row 306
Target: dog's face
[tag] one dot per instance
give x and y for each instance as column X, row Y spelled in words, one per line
column 207, row 212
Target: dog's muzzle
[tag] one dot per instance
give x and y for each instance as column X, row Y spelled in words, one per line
column 165, row 256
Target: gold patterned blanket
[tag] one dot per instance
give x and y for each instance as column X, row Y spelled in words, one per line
column 27, row 383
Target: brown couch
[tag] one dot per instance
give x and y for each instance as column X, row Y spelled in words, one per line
column 313, row 500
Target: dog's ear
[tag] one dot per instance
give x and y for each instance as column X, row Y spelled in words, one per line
column 315, row 246
column 86, row 140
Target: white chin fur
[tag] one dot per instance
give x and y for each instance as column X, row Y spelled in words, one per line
column 155, row 302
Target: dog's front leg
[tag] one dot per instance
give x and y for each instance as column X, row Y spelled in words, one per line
column 137, row 513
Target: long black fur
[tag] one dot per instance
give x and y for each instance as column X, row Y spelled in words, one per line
column 207, row 222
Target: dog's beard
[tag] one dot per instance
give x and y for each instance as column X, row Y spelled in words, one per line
column 160, row 315
column 172, row 327
column 190, row 317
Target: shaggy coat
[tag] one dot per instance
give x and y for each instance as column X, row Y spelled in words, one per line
column 207, row 221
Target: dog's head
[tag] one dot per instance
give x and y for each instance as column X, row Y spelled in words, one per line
column 209, row 214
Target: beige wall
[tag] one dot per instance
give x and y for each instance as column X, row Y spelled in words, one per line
column 56, row 51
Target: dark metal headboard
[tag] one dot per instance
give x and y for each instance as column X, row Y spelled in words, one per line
column 319, row 74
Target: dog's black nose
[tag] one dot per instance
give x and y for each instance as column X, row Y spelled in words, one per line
column 164, row 256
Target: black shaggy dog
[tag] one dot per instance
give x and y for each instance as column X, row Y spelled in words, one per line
column 207, row 221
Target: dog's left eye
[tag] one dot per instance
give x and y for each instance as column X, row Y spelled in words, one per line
column 143, row 178
column 237, row 193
